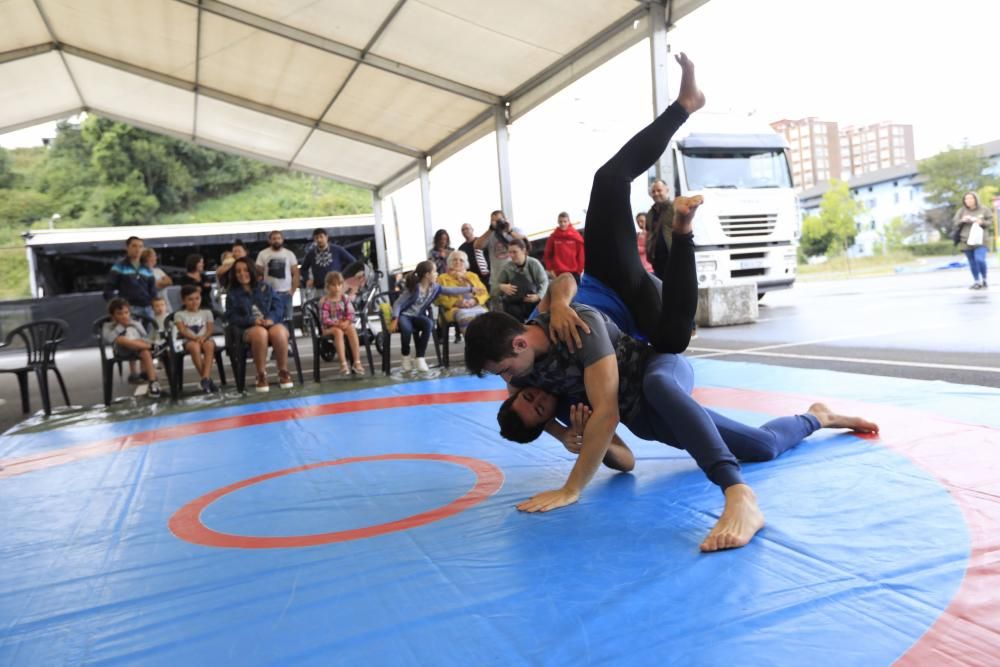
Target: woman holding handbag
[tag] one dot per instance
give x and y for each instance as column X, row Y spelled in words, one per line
column 974, row 227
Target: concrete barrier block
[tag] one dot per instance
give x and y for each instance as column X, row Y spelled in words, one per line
column 727, row 305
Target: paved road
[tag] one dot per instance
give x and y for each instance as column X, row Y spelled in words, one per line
column 929, row 326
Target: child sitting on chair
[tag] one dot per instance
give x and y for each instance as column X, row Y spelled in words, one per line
column 336, row 316
column 131, row 341
column 194, row 327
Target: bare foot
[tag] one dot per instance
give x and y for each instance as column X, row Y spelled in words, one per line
column 740, row 520
column 690, row 96
column 830, row 419
column 684, row 210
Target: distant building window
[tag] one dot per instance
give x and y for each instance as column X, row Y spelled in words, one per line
column 895, row 196
column 871, row 202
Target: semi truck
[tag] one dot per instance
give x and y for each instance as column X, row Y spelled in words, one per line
column 748, row 228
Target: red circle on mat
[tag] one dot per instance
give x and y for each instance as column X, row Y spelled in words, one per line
column 186, row 523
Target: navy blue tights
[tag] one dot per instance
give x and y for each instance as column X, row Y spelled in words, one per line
column 716, row 442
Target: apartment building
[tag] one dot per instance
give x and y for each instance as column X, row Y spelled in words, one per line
column 820, row 150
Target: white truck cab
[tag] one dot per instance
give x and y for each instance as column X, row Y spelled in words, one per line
column 747, row 230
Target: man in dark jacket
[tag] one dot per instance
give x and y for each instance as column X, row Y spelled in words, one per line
column 658, row 221
column 132, row 280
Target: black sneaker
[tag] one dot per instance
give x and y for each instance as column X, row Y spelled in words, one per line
column 211, row 387
column 134, row 378
column 206, row 386
column 154, row 389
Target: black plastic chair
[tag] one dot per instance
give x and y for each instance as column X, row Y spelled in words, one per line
column 110, row 358
column 239, row 353
column 40, row 340
column 323, row 348
column 175, row 357
column 382, row 309
column 441, row 329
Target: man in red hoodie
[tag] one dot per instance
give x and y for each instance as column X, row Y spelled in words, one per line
column 564, row 250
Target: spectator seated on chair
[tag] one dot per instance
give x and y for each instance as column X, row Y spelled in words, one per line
column 194, row 328
column 131, row 341
column 461, row 309
column 336, row 316
column 521, row 283
column 160, row 311
column 257, row 313
column 195, row 266
column 408, row 311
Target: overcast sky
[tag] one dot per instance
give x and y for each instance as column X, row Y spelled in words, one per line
column 852, row 61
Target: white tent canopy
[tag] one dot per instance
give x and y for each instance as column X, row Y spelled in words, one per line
column 362, row 91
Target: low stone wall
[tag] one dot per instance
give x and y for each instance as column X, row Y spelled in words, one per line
column 727, row 305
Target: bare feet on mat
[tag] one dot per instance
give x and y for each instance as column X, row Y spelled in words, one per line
column 740, row 520
column 830, row 419
column 690, row 97
column 684, row 210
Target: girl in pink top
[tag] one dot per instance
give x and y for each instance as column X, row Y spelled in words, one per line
column 336, row 316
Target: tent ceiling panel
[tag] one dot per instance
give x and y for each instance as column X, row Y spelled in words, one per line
column 22, row 25
column 131, row 96
column 294, row 82
column 268, row 69
column 332, row 154
column 493, row 45
column 350, row 22
column 159, row 35
column 611, row 45
column 34, row 88
column 401, row 110
column 248, row 132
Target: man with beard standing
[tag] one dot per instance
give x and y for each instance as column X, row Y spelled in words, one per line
column 322, row 258
column 280, row 267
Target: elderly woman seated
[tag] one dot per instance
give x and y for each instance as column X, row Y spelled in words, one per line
column 461, row 308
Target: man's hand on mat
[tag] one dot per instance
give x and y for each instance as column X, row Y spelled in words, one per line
column 565, row 326
column 549, row 500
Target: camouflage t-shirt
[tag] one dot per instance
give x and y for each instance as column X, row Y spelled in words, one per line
column 560, row 372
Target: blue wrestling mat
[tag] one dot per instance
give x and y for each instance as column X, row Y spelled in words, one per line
column 378, row 527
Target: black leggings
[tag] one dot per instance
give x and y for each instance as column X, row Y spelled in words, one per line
column 663, row 314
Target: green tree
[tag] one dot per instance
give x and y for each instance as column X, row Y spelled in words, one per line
column 835, row 227
column 7, row 175
column 23, row 207
column 948, row 176
column 893, row 234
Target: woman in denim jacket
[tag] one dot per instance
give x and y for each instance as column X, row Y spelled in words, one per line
column 257, row 313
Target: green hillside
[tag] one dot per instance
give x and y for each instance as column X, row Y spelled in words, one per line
column 103, row 173
column 283, row 195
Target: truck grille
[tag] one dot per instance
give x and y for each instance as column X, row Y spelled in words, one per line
column 737, row 226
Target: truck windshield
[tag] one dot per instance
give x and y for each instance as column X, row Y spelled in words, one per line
column 736, row 169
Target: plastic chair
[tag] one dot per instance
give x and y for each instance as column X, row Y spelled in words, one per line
column 382, row 306
column 175, row 357
column 239, row 353
column 323, row 345
column 441, row 331
column 40, row 340
column 110, row 357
